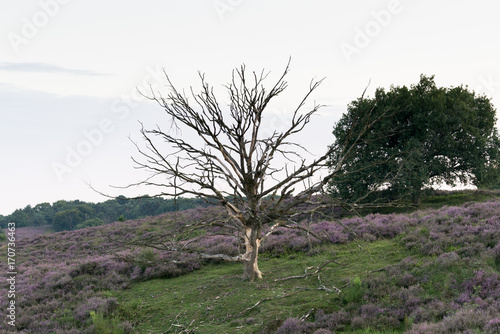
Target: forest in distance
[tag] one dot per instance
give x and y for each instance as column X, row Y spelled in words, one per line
column 70, row 215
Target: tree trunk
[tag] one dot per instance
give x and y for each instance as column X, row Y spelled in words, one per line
column 252, row 244
column 416, row 194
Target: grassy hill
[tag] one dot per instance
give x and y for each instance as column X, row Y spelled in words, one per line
column 428, row 271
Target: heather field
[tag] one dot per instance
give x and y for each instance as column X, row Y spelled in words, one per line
column 429, row 271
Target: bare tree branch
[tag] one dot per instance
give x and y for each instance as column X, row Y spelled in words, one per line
column 225, row 155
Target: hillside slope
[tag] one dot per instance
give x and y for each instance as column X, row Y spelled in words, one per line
column 431, row 271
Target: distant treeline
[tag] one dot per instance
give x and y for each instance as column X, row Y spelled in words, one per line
column 71, row 215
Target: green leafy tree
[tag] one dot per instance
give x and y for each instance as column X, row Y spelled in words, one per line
column 86, row 210
column 3, row 221
column 60, row 205
column 45, row 210
column 427, row 135
column 20, row 217
column 68, row 219
column 38, row 220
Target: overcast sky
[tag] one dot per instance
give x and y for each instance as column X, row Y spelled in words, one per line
column 69, row 70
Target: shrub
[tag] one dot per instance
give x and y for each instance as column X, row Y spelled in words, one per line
column 97, row 305
column 447, row 260
column 355, row 292
column 322, row 331
column 90, row 223
column 108, row 326
column 493, row 326
column 334, row 321
column 496, row 254
column 294, row 326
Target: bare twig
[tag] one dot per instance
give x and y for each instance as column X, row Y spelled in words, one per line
column 309, row 274
column 176, row 324
column 307, row 315
column 259, row 302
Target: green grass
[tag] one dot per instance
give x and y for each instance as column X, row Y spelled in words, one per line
column 215, row 300
column 457, row 198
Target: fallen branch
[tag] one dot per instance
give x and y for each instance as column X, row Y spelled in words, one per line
column 137, row 261
column 304, row 317
column 309, row 274
column 324, row 288
column 183, row 328
column 259, row 302
column 225, row 257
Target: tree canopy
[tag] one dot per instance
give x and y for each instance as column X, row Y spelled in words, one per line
column 428, row 135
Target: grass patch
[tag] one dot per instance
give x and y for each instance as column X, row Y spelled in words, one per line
column 215, row 300
column 440, row 199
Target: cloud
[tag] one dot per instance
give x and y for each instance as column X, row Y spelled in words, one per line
column 44, row 68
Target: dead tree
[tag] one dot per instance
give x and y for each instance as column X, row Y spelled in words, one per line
column 254, row 176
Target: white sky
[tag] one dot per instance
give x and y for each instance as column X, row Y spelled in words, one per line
column 70, row 67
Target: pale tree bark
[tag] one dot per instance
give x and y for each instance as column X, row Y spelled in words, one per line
column 250, row 258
